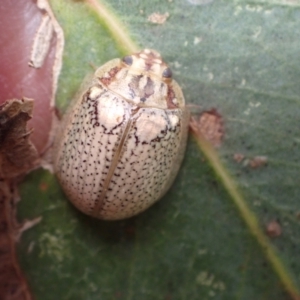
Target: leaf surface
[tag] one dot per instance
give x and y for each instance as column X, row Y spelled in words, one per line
column 239, row 57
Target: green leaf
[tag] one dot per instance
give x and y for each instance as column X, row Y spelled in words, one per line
column 240, row 57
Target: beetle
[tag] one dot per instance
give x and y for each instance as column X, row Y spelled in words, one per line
column 122, row 141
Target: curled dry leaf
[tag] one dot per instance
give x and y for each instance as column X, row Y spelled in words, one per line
column 17, row 153
column 41, row 43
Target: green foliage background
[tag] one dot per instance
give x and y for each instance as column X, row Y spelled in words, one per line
column 240, row 57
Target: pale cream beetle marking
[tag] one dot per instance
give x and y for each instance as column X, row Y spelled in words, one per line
column 123, row 140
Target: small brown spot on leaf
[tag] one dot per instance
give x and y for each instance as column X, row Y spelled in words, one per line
column 210, row 125
column 157, row 18
column 252, row 162
column 257, row 162
column 238, row 157
column 273, row 229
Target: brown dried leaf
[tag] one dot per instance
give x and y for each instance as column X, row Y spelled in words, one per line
column 13, row 285
column 17, row 153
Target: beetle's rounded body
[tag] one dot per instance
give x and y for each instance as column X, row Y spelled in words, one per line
column 123, row 140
